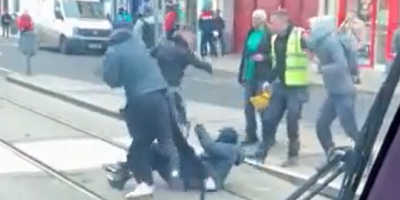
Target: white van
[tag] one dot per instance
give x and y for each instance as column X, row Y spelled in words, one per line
column 73, row 25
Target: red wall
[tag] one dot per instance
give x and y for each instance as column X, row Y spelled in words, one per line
column 299, row 10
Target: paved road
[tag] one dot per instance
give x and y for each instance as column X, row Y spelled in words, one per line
column 221, row 89
column 79, row 157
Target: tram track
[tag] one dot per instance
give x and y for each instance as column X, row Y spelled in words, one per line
column 56, row 173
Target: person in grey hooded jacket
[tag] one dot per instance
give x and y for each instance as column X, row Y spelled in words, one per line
column 127, row 64
column 325, row 43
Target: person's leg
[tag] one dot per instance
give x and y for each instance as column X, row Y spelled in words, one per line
column 139, row 116
column 325, row 118
column 295, row 100
column 345, row 109
column 203, row 45
column 159, row 162
column 181, row 112
column 162, row 127
column 250, row 89
column 271, row 117
column 8, row 31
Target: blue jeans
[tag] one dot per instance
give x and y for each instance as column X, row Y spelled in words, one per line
column 343, row 107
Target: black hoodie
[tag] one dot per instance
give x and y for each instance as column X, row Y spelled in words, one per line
column 173, row 57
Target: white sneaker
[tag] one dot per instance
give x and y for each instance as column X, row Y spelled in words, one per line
column 142, row 190
column 210, row 185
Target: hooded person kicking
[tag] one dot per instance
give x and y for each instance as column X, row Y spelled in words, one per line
column 147, row 113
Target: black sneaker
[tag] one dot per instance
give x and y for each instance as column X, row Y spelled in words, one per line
column 118, row 175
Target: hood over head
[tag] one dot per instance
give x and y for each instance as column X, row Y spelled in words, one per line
column 320, row 27
column 119, row 36
column 228, row 135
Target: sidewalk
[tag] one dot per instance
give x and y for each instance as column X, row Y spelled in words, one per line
column 371, row 80
column 102, row 100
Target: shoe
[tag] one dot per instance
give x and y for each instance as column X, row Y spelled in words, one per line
column 175, row 181
column 143, row 190
column 210, row 185
column 118, row 176
column 290, row 162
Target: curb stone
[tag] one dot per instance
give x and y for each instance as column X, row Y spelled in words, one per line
column 330, row 191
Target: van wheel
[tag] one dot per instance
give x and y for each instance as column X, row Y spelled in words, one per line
column 63, row 46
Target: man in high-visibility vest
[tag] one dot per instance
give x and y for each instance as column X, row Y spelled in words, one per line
column 289, row 80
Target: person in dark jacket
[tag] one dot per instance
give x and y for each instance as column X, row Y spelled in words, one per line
column 220, row 27
column 210, row 166
column 207, row 27
column 147, row 112
column 6, row 20
column 173, row 57
column 253, row 69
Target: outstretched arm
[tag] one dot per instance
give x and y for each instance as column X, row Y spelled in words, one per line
column 209, row 145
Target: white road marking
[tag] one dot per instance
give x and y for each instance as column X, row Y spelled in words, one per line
column 73, row 154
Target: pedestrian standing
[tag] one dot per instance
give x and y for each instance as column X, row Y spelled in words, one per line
column 6, row 20
column 289, row 82
column 254, row 67
column 207, row 27
column 147, row 113
column 338, row 82
column 220, row 26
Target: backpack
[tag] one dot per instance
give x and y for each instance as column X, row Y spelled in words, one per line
column 148, row 34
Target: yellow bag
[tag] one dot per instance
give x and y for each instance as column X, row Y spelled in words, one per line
column 261, row 100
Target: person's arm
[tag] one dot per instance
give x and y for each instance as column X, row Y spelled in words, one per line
column 193, row 60
column 209, row 145
column 111, row 69
column 337, row 53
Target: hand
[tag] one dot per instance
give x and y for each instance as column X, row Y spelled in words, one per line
column 257, row 57
column 266, row 87
column 199, row 128
column 209, row 69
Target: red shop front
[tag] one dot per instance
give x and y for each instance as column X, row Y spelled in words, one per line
column 299, row 10
column 381, row 18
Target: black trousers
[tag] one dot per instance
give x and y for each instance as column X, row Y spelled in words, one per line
column 6, row 31
column 149, row 118
column 207, row 40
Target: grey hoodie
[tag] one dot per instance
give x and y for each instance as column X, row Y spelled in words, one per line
column 128, row 64
column 326, row 45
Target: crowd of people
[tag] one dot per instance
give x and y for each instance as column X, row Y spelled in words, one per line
column 276, row 59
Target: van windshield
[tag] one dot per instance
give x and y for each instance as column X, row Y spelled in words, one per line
column 84, row 9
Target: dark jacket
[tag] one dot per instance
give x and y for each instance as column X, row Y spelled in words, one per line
column 263, row 68
column 174, row 57
column 6, row 19
column 333, row 64
column 207, row 23
column 220, row 155
column 128, row 65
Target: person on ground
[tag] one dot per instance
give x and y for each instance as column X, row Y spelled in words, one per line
column 173, row 57
column 289, row 83
column 6, row 20
column 210, row 167
column 145, row 27
column 147, row 113
column 338, row 81
column 253, row 70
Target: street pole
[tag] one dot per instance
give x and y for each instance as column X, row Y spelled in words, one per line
column 159, row 12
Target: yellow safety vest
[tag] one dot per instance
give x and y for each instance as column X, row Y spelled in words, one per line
column 296, row 73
